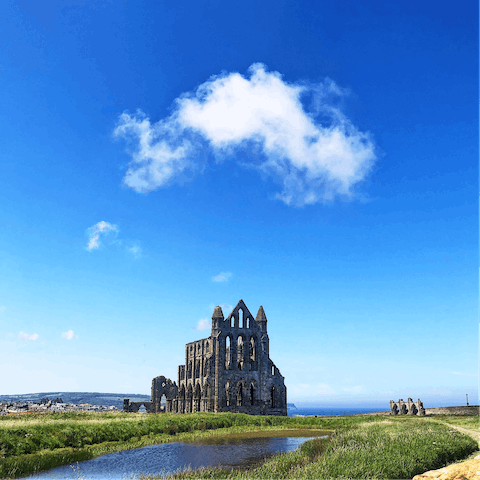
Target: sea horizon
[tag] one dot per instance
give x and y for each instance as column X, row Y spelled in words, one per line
column 333, row 411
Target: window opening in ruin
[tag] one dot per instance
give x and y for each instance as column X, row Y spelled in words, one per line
column 273, row 370
column 232, row 321
column 163, row 403
column 198, row 394
column 206, row 396
column 253, row 360
column 252, row 394
column 197, row 368
column 242, row 317
column 272, row 393
column 227, row 352
column 189, row 400
column 227, row 395
column 240, row 352
column 142, row 409
column 248, row 322
column 189, row 372
column 240, row 395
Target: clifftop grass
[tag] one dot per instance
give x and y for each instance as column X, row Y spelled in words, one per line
column 361, row 447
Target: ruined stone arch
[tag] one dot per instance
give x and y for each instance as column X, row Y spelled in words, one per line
column 252, row 393
column 240, row 393
column 197, row 396
column 206, row 367
column 241, row 318
column 189, row 399
column 207, row 390
column 163, row 386
column 253, row 353
column 227, row 394
column 229, row 349
column 241, row 347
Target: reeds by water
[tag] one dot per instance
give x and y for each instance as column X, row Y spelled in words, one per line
column 361, row 447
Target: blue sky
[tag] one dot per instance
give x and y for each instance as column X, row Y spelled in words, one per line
column 316, row 158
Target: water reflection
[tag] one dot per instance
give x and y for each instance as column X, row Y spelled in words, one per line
column 167, row 458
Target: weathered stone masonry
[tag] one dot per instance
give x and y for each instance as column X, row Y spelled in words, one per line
column 409, row 408
column 230, row 371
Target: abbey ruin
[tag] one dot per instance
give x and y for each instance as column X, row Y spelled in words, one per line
column 230, row 371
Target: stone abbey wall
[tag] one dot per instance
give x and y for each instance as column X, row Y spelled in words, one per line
column 230, row 371
column 407, row 408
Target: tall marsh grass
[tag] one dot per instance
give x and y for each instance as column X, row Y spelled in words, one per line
column 361, row 447
column 367, row 449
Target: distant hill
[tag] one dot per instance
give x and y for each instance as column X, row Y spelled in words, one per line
column 94, row 398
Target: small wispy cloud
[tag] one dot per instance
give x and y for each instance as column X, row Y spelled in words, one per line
column 222, row 277
column 98, row 229
column 203, row 324
column 68, row 335
column 26, row 337
column 311, row 149
column 102, row 229
column 136, row 251
column 2, row 308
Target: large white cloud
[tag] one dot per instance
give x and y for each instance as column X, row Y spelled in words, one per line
column 315, row 154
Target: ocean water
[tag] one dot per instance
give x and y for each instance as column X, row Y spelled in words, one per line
column 334, row 411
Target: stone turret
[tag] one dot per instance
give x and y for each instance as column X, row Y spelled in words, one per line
column 261, row 319
column 217, row 318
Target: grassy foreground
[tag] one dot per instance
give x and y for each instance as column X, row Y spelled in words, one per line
column 360, row 447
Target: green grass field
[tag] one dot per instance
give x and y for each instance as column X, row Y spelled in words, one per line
column 359, row 447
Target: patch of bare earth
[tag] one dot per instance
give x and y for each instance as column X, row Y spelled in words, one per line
column 469, row 470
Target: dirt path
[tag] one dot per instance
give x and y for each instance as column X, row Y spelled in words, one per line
column 471, row 432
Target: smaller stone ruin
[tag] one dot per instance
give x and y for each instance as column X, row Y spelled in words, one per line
column 408, row 408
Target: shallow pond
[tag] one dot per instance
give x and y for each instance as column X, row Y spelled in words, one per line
column 226, row 451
